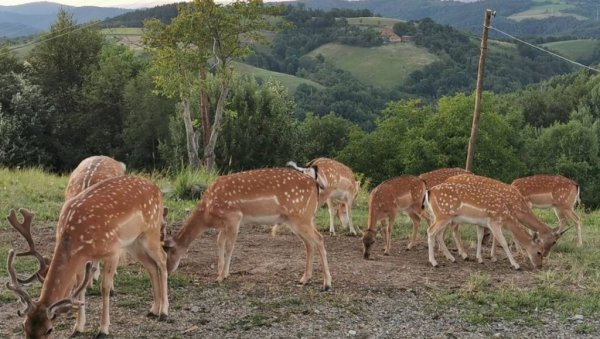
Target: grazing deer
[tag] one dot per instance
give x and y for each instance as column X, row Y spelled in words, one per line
column 479, row 205
column 118, row 213
column 265, row 196
column 519, row 208
column 438, row 176
column 91, row 171
column 401, row 194
column 338, row 186
column 555, row 191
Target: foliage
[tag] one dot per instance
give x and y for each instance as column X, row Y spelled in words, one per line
column 258, row 129
column 190, row 184
column 323, row 136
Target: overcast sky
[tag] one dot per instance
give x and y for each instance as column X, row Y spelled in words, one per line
column 108, row 3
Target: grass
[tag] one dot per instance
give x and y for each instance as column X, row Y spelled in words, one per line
column 568, row 285
column 387, row 65
column 546, row 9
column 289, row 81
column 581, row 49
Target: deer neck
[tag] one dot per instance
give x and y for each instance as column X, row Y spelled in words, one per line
column 193, row 227
column 533, row 223
column 61, row 277
column 520, row 235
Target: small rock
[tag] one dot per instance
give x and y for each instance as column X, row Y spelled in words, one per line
column 497, row 335
column 195, row 309
column 577, row 317
column 352, row 332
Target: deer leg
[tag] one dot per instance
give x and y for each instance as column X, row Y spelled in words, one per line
column 480, row 233
column 577, row 220
column 317, row 240
column 229, row 244
column 458, row 242
column 221, row 241
column 444, row 248
column 139, row 252
column 432, row 235
column 108, row 273
column 348, row 207
column 496, row 230
column 81, row 317
column 416, row 221
column 308, row 269
column 331, row 210
column 387, row 234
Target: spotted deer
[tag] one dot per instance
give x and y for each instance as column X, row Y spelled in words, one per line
column 265, row 196
column 552, row 191
column 401, row 194
column 518, row 206
column 438, row 176
column 118, row 213
column 338, row 186
column 480, row 205
column 91, row 171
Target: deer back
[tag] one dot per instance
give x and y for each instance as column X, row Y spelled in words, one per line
column 91, row 171
column 438, row 176
column 397, row 194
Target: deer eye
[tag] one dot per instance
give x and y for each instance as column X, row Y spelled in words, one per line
column 49, row 331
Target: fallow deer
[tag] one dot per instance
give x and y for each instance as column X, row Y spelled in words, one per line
column 338, row 186
column 555, row 191
column 118, row 213
column 91, row 171
column 401, row 194
column 480, row 205
column 265, row 196
column 519, row 208
column 438, row 176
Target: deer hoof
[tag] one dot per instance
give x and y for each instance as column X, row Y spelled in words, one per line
column 162, row 317
column 101, row 335
column 151, row 315
column 326, row 288
column 76, row 334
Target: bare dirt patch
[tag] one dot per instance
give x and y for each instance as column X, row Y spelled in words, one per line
column 388, row 297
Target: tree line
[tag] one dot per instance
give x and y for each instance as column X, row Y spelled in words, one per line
column 78, row 94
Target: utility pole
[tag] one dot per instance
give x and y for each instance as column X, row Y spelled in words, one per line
column 477, row 111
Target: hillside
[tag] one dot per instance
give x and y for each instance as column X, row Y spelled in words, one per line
column 386, row 66
column 580, row 50
column 35, row 17
column 289, row 81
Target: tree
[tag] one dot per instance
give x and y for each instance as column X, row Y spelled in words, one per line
column 259, row 129
column 60, row 65
column 323, row 136
column 204, row 36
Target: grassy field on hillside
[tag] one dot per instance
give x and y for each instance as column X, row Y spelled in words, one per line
column 546, row 9
column 387, row 65
column 289, row 81
column 574, row 49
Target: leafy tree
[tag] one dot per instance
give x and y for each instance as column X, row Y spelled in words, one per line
column 146, row 124
column 259, row 129
column 323, row 136
column 60, row 65
column 24, row 126
column 202, row 36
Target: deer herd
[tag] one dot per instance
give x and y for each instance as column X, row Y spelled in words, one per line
column 107, row 212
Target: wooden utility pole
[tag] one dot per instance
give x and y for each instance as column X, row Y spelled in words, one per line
column 477, row 111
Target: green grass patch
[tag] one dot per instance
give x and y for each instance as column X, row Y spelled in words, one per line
column 388, row 65
column 289, row 81
column 580, row 49
column 545, row 10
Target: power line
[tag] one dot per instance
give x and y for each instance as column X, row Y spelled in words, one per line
column 545, row 50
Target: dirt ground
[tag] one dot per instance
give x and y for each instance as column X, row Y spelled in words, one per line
column 387, row 297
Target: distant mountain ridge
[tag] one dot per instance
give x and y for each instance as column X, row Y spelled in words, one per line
column 35, row 17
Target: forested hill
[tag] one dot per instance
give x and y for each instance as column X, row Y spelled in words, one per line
column 522, row 17
column 136, row 18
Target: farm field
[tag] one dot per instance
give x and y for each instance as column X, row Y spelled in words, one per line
column 373, row 21
column 289, row 81
column 574, row 49
column 391, row 296
column 387, row 65
column 546, row 9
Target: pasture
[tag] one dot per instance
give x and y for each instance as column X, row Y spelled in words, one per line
column 546, row 9
column 399, row 295
column 288, row 81
column 580, row 49
column 387, row 65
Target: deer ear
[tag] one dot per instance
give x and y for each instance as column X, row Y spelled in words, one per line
column 168, row 243
column 165, row 212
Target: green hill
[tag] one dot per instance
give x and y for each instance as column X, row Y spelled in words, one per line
column 373, row 21
column 581, row 49
column 289, row 81
column 545, row 9
column 387, row 65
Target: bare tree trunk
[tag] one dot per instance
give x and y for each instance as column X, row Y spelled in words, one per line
column 204, row 105
column 190, row 136
column 209, row 148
